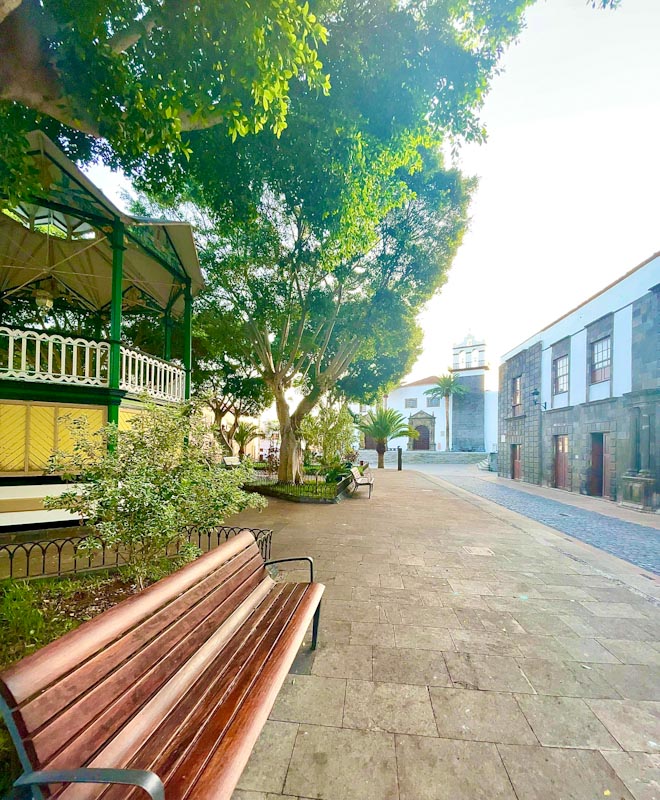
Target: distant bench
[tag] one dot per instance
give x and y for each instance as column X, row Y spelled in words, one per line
column 167, row 692
column 231, row 461
column 362, row 480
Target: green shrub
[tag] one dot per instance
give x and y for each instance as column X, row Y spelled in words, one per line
column 140, row 488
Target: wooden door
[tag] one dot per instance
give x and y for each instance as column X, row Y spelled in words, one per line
column 561, row 462
column 516, row 454
column 607, row 464
column 596, row 478
column 422, row 441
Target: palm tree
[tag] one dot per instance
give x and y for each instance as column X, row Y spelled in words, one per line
column 382, row 425
column 447, row 386
column 245, row 433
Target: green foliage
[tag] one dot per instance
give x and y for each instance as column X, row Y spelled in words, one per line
column 245, row 433
column 330, row 432
column 385, row 424
column 137, row 75
column 447, row 386
column 140, row 488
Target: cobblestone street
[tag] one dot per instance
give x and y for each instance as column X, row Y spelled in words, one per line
column 638, row 544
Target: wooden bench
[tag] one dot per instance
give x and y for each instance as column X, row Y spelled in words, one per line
column 362, row 480
column 165, row 693
column 231, row 461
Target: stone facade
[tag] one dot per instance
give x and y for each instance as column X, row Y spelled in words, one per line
column 600, row 437
column 522, row 428
column 468, row 415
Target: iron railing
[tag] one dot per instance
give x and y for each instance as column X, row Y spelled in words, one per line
column 27, row 355
column 314, row 488
column 55, row 557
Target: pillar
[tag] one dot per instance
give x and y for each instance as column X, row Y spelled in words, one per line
column 645, row 445
column 187, row 337
column 114, row 373
column 167, row 326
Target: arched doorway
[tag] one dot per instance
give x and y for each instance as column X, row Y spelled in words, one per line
column 422, row 441
column 369, row 443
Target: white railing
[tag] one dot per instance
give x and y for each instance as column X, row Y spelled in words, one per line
column 51, row 358
column 141, row 373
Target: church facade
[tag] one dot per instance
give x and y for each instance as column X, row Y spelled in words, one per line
column 472, row 416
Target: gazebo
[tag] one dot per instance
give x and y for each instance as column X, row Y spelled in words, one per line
column 71, row 253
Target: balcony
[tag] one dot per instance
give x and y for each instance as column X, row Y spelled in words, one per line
column 46, row 358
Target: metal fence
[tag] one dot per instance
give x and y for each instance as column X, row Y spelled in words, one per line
column 314, row 487
column 54, row 557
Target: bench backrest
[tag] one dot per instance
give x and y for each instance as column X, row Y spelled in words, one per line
column 355, row 472
column 73, row 696
column 232, row 461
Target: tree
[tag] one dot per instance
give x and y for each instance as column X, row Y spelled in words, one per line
column 447, row 386
column 160, row 476
column 223, row 379
column 335, row 233
column 126, row 80
column 331, row 432
column 245, row 433
column 385, row 424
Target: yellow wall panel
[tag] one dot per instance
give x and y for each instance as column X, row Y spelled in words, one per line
column 126, row 416
column 13, row 423
column 41, row 437
column 31, row 432
column 95, row 419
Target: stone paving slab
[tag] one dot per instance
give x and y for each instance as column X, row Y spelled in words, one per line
column 465, row 652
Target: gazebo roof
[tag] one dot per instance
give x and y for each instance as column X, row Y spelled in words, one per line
column 65, row 236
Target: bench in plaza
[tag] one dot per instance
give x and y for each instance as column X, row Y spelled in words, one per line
column 231, row 461
column 167, row 692
column 362, row 480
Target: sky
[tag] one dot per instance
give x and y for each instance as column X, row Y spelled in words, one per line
column 569, row 179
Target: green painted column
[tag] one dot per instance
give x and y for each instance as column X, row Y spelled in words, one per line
column 187, row 337
column 118, row 248
column 167, row 326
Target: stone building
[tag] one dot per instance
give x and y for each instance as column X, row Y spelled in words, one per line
column 472, row 416
column 579, row 400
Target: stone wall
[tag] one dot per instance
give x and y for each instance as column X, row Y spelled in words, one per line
column 467, row 433
column 523, row 429
column 412, row 457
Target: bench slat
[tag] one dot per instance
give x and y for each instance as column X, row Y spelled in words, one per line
column 178, row 679
column 32, row 674
column 179, row 729
column 126, row 689
column 206, row 694
column 223, row 770
column 146, row 640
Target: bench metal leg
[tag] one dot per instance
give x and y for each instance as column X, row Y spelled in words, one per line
column 315, row 626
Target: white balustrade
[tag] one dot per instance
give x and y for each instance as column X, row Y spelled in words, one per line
column 51, row 358
column 144, row 374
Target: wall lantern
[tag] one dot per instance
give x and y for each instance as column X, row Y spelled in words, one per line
column 535, row 400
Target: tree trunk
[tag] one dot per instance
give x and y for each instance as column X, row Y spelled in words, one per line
column 291, row 463
column 447, row 422
column 380, row 449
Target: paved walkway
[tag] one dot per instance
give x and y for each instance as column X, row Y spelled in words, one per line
column 467, row 653
column 638, row 544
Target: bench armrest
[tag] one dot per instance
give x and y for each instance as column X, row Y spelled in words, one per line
column 309, row 560
column 148, row 781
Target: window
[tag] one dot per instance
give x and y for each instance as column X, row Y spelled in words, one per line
column 560, row 375
column 600, row 360
column 433, row 402
column 411, row 402
column 468, row 359
column 516, row 395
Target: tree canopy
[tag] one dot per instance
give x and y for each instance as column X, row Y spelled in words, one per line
column 126, row 80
